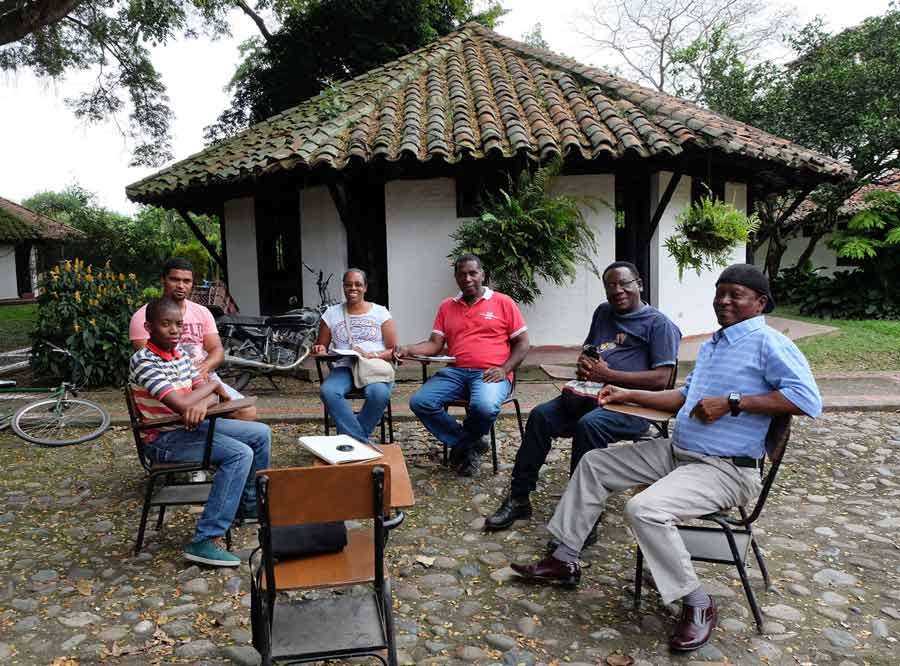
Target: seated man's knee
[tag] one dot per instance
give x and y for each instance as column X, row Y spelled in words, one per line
column 640, row 508
column 543, row 412
column 592, row 429
column 483, row 409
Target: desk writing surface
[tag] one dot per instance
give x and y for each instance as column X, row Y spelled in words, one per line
column 223, row 408
column 559, row 371
column 642, row 412
column 401, row 485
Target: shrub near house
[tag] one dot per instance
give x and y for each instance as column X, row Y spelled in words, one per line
column 86, row 311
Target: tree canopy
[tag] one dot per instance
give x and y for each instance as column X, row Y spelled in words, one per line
column 326, row 41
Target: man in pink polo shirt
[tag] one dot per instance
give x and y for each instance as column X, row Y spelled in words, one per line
column 199, row 335
column 486, row 332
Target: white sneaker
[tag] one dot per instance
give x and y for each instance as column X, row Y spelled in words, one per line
column 199, row 477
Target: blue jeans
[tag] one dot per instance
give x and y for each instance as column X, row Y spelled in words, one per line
column 333, row 392
column 239, row 450
column 595, row 430
column 448, row 384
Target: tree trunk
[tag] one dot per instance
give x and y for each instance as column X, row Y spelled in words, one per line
column 774, row 252
column 809, row 249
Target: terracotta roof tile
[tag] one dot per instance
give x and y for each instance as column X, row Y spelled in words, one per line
column 472, row 93
column 18, row 223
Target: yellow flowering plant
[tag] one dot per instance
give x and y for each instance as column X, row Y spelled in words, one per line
column 86, row 311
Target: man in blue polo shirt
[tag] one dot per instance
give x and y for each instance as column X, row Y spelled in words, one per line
column 745, row 374
column 636, row 347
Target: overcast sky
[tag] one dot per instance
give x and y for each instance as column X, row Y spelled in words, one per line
column 43, row 147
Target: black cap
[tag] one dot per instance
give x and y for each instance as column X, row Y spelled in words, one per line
column 749, row 276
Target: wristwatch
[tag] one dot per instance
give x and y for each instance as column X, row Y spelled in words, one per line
column 734, row 403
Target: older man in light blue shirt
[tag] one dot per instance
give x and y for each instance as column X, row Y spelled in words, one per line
column 746, row 374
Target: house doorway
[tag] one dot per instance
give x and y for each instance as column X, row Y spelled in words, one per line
column 278, row 252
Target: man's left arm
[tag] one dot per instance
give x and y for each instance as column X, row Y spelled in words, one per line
column 518, row 346
column 215, row 354
column 786, row 369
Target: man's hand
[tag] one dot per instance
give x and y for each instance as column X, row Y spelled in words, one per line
column 193, row 416
column 598, row 371
column 494, row 375
column 319, row 350
column 221, row 392
column 709, row 410
column 610, row 394
column 584, row 367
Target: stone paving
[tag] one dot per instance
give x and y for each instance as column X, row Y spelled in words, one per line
column 71, row 593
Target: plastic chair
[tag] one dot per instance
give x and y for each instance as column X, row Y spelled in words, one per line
column 298, row 630
column 732, row 537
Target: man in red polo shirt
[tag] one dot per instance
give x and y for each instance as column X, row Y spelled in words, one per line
column 486, row 332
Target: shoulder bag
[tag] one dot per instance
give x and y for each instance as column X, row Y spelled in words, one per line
column 367, row 370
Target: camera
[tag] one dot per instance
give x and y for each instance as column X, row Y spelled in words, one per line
column 591, row 350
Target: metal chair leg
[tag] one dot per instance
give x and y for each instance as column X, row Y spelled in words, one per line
column 519, row 418
column 382, row 429
column 326, row 419
column 494, row 448
column 161, row 518
column 390, row 414
column 228, row 539
column 742, row 571
column 638, row 577
column 145, row 513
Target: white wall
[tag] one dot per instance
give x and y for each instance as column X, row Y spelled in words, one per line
column 323, row 242
column 8, row 286
column 822, row 257
column 687, row 302
column 420, row 217
column 563, row 314
column 240, row 245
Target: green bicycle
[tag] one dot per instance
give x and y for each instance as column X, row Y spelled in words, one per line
column 59, row 420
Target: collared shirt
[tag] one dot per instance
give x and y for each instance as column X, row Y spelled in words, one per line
column 634, row 341
column 153, row 374
column 478, row 335
column 752, row 359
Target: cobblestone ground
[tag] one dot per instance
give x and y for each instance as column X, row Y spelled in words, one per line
column 71, row 593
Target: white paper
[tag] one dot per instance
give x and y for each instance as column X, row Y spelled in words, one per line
column 326, row 448
column 345, row 352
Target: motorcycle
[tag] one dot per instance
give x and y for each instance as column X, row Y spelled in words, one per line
column 261, row 346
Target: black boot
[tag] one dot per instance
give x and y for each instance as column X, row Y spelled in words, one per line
column 512, row 509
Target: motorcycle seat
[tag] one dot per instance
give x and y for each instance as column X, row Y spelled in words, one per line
column 241, row 320
column 295, row 319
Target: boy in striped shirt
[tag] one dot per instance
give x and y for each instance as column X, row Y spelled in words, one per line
column 164, row 382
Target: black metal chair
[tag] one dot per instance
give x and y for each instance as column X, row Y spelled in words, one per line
column 355, row 394
column 297, row 630
column 164, row 488
column 732, row 537
column 464, row 404
column 662, row 427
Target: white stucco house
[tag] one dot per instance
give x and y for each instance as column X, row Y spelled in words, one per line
column 383, row 183
column 24, row 237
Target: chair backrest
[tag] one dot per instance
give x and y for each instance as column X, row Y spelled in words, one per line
column 135, row 417
column 298, row 495
column 776, row 444
column 672, row 377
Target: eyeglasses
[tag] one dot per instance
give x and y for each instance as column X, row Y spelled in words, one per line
column 610, row 286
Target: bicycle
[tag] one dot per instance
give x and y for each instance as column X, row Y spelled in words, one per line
column 60, row 420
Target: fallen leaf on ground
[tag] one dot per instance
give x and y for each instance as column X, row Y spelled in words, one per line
column 425, row 561
column 620, row 660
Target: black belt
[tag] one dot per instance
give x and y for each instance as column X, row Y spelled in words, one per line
column 742, row 461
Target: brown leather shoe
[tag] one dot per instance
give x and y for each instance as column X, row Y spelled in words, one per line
column 551, row 570
column 694, row 628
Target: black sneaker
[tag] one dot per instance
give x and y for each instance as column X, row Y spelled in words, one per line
column 458, row 455
column 471, row 465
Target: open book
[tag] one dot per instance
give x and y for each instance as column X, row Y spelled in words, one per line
column 337, row 449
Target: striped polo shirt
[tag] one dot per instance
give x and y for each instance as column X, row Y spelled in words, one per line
column 153, row 374
column 752, row 359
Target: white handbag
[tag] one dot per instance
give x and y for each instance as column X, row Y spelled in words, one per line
column 367, row 370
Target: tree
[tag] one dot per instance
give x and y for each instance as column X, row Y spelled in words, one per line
column 112, row 38
column 332, row 40
column 535, row 37
column 872, row 237
column 647, row 36
column 134, row 245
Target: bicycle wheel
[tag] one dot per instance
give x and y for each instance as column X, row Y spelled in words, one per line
column 60, row 422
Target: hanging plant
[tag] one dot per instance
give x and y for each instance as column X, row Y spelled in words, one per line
column 705, row 234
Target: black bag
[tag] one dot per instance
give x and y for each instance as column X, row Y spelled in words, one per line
column 290, row 541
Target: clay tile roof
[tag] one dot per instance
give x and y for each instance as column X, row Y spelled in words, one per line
column 855, row 203
column 470, row 94
column 18, row 223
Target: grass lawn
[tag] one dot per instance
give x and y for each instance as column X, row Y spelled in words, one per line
column 16, row 322
column 868, row 344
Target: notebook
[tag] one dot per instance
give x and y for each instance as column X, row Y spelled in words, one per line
column 337, row 449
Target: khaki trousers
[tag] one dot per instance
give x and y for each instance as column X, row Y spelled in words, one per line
column 683, row 485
